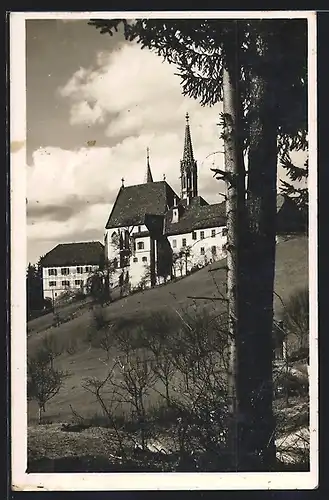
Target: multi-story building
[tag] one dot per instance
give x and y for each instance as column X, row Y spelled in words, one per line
column 153, row 234
column 68, row 266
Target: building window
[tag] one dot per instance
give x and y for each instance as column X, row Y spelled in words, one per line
column 78, row 282
column 65, row 271
column 115, row 263
column 139, row 229
column 174, row 243
column 135, row 259
column 224, row 231
column 140, row 245
column 66, row 283
column 79, row 270
column 144, row 259
column 88, row 269
column 213, row 233
column 202, row 235
column 52, row 272
column 214, row 250
column 202, row 250
column 184, row 242
column 193, row 235
column 52, row 283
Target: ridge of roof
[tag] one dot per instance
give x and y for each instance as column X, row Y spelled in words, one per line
column 134, row 202
column 75, row 253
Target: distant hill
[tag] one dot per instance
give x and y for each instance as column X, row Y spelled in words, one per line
column 291, row 274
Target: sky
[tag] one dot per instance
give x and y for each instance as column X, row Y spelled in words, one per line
column 94, row 104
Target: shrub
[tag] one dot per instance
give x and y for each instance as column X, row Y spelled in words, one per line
column 99, row 318
column 295, row 316
column 301, row 354
column 290, row 384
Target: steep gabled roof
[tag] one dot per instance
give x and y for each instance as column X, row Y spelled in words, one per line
column 196, row 216
column 74, row 254
column 134, row 202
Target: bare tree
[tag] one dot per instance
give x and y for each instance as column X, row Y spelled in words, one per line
column 96, row 386
column 50, row 349
column 43, row 382
column 136, row 379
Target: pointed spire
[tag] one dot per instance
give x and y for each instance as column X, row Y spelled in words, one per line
column 188, row 149
column 149, row 177
column 188, row 166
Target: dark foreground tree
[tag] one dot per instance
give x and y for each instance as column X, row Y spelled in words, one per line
column 34, row 293
column 272, row 97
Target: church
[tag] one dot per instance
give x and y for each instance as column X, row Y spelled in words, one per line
column 153, row 234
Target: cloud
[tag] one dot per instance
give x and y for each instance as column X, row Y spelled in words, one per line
column 137, row 99
column 136, row 87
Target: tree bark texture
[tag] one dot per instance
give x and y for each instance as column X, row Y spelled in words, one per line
column 254, row 385
column 235, row 205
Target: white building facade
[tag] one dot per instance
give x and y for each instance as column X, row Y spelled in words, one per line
column 57, row 280
column 67, row 267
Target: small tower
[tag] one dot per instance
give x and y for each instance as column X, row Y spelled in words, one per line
column 148, row 177
column 188, row 167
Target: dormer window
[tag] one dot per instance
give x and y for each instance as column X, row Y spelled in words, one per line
column 175, row 214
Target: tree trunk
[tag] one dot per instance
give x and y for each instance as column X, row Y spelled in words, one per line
column 40, row 411
column 255, row 345
column 235, row 203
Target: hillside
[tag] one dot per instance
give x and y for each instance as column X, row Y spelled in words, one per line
column 291, row 273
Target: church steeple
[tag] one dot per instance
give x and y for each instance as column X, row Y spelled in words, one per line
column 188, row 167
column 149, row 177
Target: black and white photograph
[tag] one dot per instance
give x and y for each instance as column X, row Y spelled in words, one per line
column 163, row 250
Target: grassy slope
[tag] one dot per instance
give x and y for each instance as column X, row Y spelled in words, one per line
column 291, row 273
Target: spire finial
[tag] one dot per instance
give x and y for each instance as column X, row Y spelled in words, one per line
column 188, row 149
column 122, row 182
column 149, row 177
column 164, row 177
